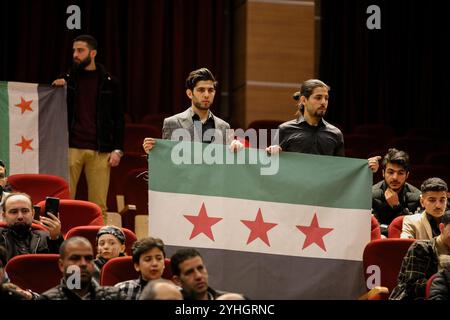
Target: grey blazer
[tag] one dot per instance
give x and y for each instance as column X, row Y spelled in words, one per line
column 222, row 134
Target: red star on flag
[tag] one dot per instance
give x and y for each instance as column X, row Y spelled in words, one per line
column 25, row 144
column 202, row 223
column 258, row 228
column 24, row 105
column 314, row 234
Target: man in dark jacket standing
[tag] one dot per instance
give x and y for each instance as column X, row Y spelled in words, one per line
column 96, row 121
column 18, row 237
column 393, row 196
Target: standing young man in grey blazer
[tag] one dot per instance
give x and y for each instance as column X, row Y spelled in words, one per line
column 197, row 122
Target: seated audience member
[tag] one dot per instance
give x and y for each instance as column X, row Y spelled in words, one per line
column 9, row 291
column 393, row 196
column 76, row 264
column 18, row 237
column 148, row 259
column 5, row 188
column 421, row 262
column 110, row 242
column 425, row 225
column 161, row 289
column 440, row 287
column 190, row 273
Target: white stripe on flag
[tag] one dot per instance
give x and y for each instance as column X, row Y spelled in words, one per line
column 351, row 227
column 23, row 127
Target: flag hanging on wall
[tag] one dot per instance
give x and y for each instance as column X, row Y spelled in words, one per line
column 33, row 128
column 296, row 232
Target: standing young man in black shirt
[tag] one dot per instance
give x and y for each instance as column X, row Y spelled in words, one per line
column 310, row 133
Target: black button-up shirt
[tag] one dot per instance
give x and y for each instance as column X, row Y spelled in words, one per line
column 208, row 124
column 299, row 136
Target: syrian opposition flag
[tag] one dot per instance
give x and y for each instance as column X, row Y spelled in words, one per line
column 33, row 128
column 296, row 233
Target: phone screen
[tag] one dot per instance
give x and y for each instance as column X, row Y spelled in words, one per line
column 37, row 212
column 52, row 205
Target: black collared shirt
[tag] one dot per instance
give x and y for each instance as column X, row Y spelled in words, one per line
column 434, row 225
column 299, row 136
column 208, row 124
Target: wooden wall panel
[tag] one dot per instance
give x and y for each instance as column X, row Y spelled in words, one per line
column 269, row 103
column 280, row 41
column 273, row 53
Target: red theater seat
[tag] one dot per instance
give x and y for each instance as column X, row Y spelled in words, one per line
column 74, row 213
column 122, row 269
column 375, row 233
column 37, row 272
column 90, row 233
column 135, row 134
column 395, row 227
column 387, row 255
column 39, row 186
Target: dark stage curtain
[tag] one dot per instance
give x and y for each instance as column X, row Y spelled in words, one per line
column 398, row 75
column 151, row 46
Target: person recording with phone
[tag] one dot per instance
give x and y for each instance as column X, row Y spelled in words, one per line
column 5, row 188
column 18, row 237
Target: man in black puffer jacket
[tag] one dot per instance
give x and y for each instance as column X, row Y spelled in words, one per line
column 393, row 196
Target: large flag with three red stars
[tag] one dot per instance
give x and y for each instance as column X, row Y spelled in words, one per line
column 296, row 233
column 33, row 128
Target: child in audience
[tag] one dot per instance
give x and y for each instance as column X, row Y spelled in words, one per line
column 110, row 243
column 148, row 259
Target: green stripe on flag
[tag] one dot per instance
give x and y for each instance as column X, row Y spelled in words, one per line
column 301, row 179
column 4, row 123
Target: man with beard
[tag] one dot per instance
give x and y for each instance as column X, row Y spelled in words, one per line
column 5, row 188
column 393, row 196
column 96, row 121
column 76, row 264
column 310, row 133
column 18, row 237
column 198, row 121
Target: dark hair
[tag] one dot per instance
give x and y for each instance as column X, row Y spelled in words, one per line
column 62, row 248
column 201, row 74
column 3, row 256
column 142, row 246
column 433, row 184
column 307, row 87
column 398, row 157
column 182, row 255
column 12, row 194
column 2, row 164
column 306, row 90
column 90, row 40
column 445, row 219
